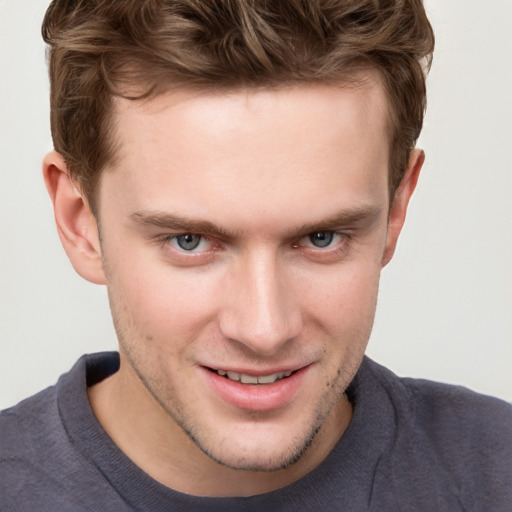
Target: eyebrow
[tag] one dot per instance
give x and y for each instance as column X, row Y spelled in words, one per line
column 180, row 223
column 363, row 215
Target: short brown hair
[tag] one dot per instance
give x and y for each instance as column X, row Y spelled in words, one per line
column 100, row 48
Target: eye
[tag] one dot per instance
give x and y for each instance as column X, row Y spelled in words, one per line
column 321, row 239
column 189, row 249
column 324, row 246
column 188, row 241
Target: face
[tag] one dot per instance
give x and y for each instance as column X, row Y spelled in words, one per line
column 243, row 236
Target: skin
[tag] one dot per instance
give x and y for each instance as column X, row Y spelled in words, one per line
column 254, row 174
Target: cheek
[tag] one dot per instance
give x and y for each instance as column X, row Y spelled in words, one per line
column 347, row 293
column 162, row 303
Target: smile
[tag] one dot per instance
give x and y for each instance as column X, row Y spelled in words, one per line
column 253, row 392
column 253, row 379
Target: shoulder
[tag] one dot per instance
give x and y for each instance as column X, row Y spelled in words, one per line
column 25, row 424
column 31, row 451
column 442, row 407
column 457, row 436
column 41, row 467
column 472, row 437
column 447, row 406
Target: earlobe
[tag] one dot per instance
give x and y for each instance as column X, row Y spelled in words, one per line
column 400, row 202
column 76, row 224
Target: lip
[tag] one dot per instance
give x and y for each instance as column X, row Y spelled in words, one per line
column 256, row 397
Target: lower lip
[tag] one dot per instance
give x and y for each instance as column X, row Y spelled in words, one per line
column 256, row 397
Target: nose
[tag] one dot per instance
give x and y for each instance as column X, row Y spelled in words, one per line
column 261, row 311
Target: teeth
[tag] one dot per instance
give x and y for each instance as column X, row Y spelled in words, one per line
column 267, row 379
column 252, row 379
column 248, row 379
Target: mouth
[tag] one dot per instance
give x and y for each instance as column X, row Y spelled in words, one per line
column 256, row 391
column 245, row 378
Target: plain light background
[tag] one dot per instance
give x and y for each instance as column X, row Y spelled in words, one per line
column 445, row 307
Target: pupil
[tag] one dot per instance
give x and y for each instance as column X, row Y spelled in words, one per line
column 321, row 238
column 188, row 241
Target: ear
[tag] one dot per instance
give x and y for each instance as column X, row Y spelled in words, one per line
column 76, row 225
column 400, row 202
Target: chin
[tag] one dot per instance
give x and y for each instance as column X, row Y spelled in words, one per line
column 257, row 462
column 259, row 450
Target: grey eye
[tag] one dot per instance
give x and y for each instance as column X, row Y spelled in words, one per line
column 321, row 238
column 188, row 241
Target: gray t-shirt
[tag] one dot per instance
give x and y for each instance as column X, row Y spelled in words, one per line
column 412, row 445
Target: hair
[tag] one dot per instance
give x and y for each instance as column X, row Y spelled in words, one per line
column 100, row 49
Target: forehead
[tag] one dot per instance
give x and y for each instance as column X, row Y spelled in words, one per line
column 251, row 148
column 301, row 110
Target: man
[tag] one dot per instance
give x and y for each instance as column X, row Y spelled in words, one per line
column 237, row 174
